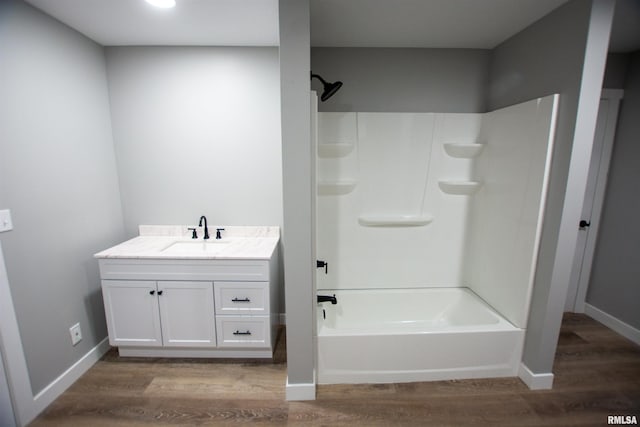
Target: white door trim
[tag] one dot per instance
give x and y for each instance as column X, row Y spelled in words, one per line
column 614, row 96
column 13, row 353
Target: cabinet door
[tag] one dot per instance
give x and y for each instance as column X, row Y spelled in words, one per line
column 131, row 308
column 187, row 314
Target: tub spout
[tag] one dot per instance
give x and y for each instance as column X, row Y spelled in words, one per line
column 325, row 298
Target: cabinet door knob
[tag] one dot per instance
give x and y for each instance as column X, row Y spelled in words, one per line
column 160, row 292
column 241, row 300
column 242, row 333
column 152, row 292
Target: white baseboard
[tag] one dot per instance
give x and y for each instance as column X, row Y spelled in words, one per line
column 611, row 322
column 300, row 391
column 535, row 381
column 68, row 377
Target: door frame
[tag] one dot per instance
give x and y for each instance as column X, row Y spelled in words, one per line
column 583, row 274
column 13, row 354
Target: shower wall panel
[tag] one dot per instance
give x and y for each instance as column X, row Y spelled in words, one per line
column 383, row 221
column 506, row 213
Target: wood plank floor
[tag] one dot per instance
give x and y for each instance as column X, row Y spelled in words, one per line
column 597, row 373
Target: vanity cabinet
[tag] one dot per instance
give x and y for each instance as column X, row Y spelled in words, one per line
column 159, row 313
column 191, row 307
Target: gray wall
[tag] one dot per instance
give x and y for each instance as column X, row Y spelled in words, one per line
column 197, row 131
column 615, row 74
column 615, row 274
column 403, row 80
column 58, row 177
column 547, row 58
column 296, row 164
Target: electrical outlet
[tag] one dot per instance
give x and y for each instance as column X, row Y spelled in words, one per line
column 76, row 334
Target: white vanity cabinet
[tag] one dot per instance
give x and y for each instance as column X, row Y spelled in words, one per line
column 191, row 307
column 162, row 313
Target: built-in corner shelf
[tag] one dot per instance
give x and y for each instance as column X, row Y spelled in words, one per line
column 459, row 187
column 395, row 220
column 335, row 188
column 335, row 149
column 465, row 151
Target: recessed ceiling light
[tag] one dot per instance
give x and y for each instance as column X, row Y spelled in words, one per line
column 165, row 4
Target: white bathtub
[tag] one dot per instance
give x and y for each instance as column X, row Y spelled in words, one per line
column 403, row 335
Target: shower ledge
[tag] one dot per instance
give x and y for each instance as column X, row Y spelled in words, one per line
column 395, row 220
column 464, row 151
column 335, row 149
column 335, row 188
column 459, row 187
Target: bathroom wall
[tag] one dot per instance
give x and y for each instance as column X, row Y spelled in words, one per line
column 615, row 73
column 390, row 171
column 404, row 80
column 296, row 164
column 58, row 177
column 505, row 216
column 197, row 131
column 550, row 57
column 616, row 264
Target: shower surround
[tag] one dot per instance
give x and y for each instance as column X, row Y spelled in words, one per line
column 424, row 201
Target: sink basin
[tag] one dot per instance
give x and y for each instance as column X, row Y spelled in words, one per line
column 195, row 248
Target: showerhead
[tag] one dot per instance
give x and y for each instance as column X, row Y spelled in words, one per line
column 328, row 88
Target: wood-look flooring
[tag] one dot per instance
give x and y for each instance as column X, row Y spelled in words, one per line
column 597, row 373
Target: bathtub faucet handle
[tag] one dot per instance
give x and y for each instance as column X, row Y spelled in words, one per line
column 321, row 264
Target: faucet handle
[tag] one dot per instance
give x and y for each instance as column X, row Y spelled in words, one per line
column 218, row 235
column 194, row 234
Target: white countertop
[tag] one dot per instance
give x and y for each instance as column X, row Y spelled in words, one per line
column 237, row 243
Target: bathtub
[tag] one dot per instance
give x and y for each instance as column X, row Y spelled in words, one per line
column 405, row 335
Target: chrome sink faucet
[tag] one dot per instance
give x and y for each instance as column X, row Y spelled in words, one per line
column 206, row 229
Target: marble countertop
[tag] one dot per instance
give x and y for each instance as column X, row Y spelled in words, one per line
column 159, row 242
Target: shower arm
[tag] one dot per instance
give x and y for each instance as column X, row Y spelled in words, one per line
column 324, row 82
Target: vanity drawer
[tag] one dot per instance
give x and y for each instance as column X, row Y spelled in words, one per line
column 241, row 298
column 243, row 331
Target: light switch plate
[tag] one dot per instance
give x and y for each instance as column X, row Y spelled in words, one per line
column 5, row 220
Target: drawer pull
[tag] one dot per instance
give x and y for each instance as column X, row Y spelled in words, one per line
column 242, row 333
column 241, row 300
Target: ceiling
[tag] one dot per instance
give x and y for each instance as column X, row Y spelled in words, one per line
column 346, row 23
column 191, row 22
column 417, row 23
